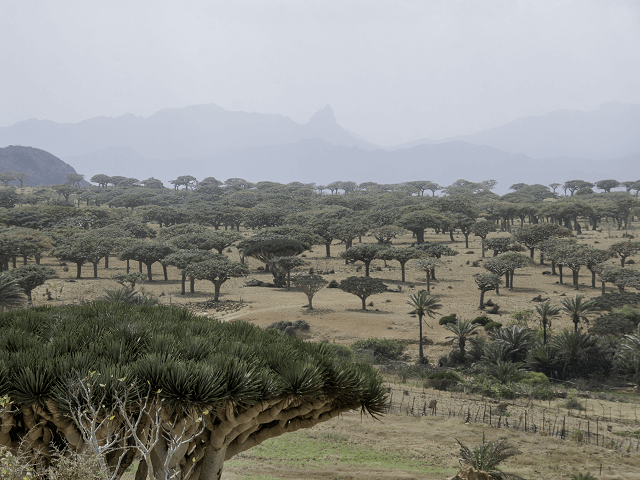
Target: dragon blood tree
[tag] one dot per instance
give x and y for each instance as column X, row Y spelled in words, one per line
column 184, row 393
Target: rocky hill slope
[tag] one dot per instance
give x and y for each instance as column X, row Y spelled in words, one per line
column 42, row 167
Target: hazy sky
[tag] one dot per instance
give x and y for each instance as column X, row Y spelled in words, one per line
column 392, row 70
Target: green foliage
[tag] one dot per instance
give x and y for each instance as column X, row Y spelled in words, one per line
column 128, row 296
column 445, row 375
column 573, row 403
column 383, row 348
column 341, row 351
column 448, row 319
column 488, row 455
column 583, row 476
column 535, row 379
column 129, row 279
column 618, row 322
column 11, row 295
column 190, row 360
column 522, row 317
column 29, row 277
column 609, row 301
column 482, row 320
column 362, row 287
column 290, row 328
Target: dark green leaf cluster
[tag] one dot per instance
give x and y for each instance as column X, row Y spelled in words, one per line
column 189, row 360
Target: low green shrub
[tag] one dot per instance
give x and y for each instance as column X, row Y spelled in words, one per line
column 383, row 348
column 333, row 284
column 535, row 379
column 482, row 320
column 342, row 351
column 448, row 319
column 445, row 375
column 290, row 328
column 573, row 403
column 492, row 326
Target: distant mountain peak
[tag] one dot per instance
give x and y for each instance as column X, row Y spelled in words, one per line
column 323, row 116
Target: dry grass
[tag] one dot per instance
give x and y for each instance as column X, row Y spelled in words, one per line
column 408, row 447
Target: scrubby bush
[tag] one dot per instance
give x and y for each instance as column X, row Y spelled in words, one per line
column 482, row 320
column 491, row 326
column 290, row 328
column 341, row 351
column 448, row 319
column 382, row 348
column 535, row 379
column 333, row 284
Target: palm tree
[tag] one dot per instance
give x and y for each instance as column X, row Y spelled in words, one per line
column 11, row 295
column 544, row 311
column 462, row 330
column 488, row 455
column 578, row 309
column 424, row 304
column 517, row 340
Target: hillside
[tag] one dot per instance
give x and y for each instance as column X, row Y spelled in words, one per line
column 320, row 162
column 609, row 132
column 42, row 167
column 194, row 131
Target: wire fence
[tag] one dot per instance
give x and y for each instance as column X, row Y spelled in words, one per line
column 595, row 431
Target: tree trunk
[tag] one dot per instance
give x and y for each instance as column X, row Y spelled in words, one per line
column 212, row 464
column 544, row 332
column 553, row 267
column 140, row 268
column 366, row 268
column 483, row 248
column 428, row 284
column 575, row 280
column 420, row 351
column 164, row 271
column 481, row 299
column 364, row 304
column 622, row 259
column 37, row 256
column 419, row 236
column 13, row 261
column 511, row 280
column 143, row 469
column 603, row 288
column 497, row 289
column 106, row 261
column 216, row 290
column 402, row 270
column 327, row 247
column 95, row 269
column 310, row 298
column 288, row 279
column 24, row 259
column 466, row 240
column 531, row 250
column 506, row 280
column 78, row 270
column 560, row 273
column 451, row 236
column 128, row 266
column 192, row 285
column 541, row 258
column 149, row 272
column 593, row 279
column 184, row 281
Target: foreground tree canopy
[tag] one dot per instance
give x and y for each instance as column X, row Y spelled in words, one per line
column 184, row 392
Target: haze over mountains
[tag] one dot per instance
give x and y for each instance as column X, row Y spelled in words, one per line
column 207, row 140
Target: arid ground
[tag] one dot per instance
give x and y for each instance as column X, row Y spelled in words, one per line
column 400, row 447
